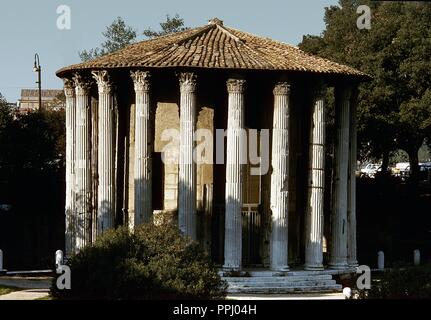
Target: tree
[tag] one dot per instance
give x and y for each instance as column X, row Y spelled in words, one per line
column 117, row 34
column 32, row 166
column 59, row 100
column 154, row 262
column 34, row 141
column 5, row 114
column 171, row 25
column 395, row 107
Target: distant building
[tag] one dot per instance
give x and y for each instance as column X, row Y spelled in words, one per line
column 51, row 99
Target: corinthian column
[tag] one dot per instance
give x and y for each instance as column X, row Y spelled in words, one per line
column 83, row 161
column 234, row 168
column 143, row 148
column 105, row 155
column 280, row 178
column 351, row 211
column 316, row 184
column 187, row 167
column 69, row 91
column 338, row 253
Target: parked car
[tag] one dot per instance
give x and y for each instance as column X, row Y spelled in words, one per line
column 426, row 166
column 425, row 171
column 401, row 169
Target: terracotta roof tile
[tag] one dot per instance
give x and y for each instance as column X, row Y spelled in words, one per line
column 215, row 46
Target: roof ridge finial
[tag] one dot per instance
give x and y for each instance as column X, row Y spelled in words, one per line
column 216, row 21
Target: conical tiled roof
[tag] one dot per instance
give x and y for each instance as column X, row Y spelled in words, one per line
column 218, row 47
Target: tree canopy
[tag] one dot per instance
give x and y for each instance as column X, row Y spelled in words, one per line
column 5, row 113
column 171, row 25
column 118, row 35
column 394, row 109
column 32, row 161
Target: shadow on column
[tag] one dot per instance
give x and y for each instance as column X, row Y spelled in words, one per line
column 233, row 235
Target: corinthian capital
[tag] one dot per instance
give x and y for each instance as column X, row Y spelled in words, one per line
column 82, row 84
column 141, row 80
column 103, row 81
column 281, row 88
column 235, row 85
column 187, row 81
column 69, row 87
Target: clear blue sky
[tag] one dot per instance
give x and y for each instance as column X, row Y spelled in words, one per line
column 28, row 26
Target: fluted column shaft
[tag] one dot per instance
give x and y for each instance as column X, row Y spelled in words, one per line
column 143, row 148
column 69, row 91
column 280, row 178
column 338, row 254
column 234, row 168
column 105, row 155
column 187, row 167
column 316, row 185
column 83, row 162
column 351, row 212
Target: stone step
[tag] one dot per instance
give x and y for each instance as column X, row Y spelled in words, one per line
column 326, row 271
column 279, row 279
column 268, row 273
column 270, row 282
column 285, row 284
column 281, row 290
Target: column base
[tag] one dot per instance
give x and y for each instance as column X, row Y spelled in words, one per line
column 231, row 268
column 3, row 272
column 353, row 264
column 338, row 266
column 314, row 267
column 280, row 268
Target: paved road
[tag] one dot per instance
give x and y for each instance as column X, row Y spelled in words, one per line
column 34, row 287
column 31, row 294
column 26, row 282
column 37, row 288
column 328, row 296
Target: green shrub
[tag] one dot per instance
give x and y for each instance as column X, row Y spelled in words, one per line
column 154, row 262
column 6, row 290
column 408, row 283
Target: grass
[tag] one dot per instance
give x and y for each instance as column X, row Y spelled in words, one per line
column 47, row 298
column 5, row 290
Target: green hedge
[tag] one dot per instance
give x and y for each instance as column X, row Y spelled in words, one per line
column 154, row 262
